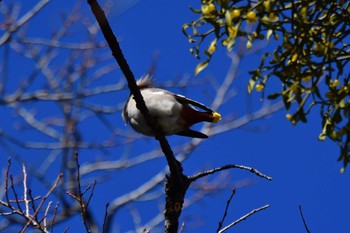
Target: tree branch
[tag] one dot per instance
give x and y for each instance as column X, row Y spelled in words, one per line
column 226, row 209
column 229, row 166
column 244, row 217
column 177, row 183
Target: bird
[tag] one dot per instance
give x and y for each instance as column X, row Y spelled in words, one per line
column 173, row 113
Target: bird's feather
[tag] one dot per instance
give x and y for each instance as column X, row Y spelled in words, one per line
column 191, row 133
column 186, row 101
column 145, row 82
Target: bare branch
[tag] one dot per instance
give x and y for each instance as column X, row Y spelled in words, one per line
column 54, row 217
column 85, row 215
column 229, row 166
column 15, row 194
column 45, row 215
column 7, row 181
column 105, row 219
column 243, row 218
column 226, row 209
column 31, row 218
column 61, row 45
column 25, row 191
column 182, row 227
column 23, row 20
column 304, row 221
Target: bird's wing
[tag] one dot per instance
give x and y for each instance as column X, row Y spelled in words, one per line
column 184, row 100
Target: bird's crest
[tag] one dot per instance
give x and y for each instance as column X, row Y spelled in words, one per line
column 145, row 81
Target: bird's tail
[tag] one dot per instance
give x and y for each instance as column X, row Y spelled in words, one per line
column 193, row 116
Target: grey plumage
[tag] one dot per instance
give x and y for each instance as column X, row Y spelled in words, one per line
column 169, row 111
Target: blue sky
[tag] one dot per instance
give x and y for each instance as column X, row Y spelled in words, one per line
column 305, row 171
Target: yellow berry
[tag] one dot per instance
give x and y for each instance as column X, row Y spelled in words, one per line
column 289, row 116
column 306, row 78
column 294, row 57
column 267, row 5
column 334, row 83
column 259, row 87
column 273, row 17
column 251, row 17
column 208, row 9
column 235, row 13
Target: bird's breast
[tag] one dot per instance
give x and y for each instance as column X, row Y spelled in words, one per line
column 163, row 107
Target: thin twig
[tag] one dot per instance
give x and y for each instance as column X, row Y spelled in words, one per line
column 182, row 228
column 23, row 20
column 91, row 194
column 7, row 182
column 105, row 219
column 229, row 166
column 45, row 215
column 25, row 191
column 32, row 200
column 302, row 217
column 79, row 197
column 54, row 186
column 15, row 194
column 226, row 209
column 54, row 217
column 243, row 218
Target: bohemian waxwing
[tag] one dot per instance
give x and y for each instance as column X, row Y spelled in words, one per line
column 174, row 113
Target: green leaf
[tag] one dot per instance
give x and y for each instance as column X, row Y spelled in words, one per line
column 286, row 103
column 249, row 45
column 323, row 134
column 228, row 18
column 201, row 66
column 322, row 137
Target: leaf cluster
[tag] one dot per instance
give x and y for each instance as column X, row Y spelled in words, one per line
column 310, row 58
